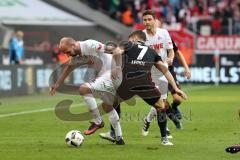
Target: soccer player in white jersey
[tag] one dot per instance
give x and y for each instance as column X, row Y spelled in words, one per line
column 103, row 87
column 173, row 112
column 160, row 40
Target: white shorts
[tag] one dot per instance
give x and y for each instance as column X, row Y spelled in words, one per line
column 160, row 81
column 162, row 84
column 105, row 88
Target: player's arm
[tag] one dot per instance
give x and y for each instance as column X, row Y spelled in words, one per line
column 117, row 58
column 180, row 57
column 161, row 67
column 170, row 56
column 169, row 46
column 66, row 71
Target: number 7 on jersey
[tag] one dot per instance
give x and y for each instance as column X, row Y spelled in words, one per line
column 142, row 53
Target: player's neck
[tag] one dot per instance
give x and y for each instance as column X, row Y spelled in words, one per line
column 78, row 49
column 152, row 32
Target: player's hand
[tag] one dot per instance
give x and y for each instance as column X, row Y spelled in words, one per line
column 115, row 73
column 187, row 73
column 181, row 93
column 169, row 61
column 53, row 89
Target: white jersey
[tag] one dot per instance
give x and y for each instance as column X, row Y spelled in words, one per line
column 101, row 61
column 91, row 48
column 103, row 86
column 160, row 42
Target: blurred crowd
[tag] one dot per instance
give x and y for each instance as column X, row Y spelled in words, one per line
column 218, row 13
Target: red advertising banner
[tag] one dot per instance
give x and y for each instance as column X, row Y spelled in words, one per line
column 224, row 44
column 185, row 42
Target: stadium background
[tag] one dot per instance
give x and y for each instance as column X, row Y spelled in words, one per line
column 206, row 31
column 200, row 31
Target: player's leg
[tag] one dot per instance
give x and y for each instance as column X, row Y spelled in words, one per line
column 104, row 88
column 122, row 89
column 154, row 99
column 162, row 85
column 119, row 114
column 171, row 115
column 147, row 121
column 111, row 134
column 97, row 122
column 177, row 100
column 113, row 118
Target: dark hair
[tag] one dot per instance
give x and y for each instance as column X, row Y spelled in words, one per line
column 140, row 34
column 149, row 12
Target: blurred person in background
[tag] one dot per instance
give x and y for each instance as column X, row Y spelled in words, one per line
column 127, row 17
column 16, row 48
column 58, row 56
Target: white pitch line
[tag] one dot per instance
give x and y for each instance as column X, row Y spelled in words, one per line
column 33, row 111
column 25, row 112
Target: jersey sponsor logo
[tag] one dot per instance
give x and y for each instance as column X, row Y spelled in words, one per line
column 138, row 62
column 157, row 46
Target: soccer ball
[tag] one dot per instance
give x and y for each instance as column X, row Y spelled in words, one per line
column 74, row 138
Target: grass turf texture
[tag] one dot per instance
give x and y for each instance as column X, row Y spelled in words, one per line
column 211, row 123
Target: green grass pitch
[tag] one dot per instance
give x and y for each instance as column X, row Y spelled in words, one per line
column 29, row 129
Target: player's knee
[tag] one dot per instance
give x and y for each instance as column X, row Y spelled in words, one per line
column 107, row 108
column 166, row 104
column 84, row 89
column 177, row 99
column 159, row 105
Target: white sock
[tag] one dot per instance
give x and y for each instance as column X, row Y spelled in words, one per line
column 114, row 120
column 92, row 106
column 167, row 128
column 152, row 113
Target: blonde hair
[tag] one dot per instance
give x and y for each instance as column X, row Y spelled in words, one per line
column 20, row 34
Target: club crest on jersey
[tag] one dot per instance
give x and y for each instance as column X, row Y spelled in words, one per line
column 137, row 62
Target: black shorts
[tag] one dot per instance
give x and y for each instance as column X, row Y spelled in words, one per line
column 141, row 87
column 173, row 73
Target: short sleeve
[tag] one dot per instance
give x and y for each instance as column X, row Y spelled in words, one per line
column 168, row 41
column 94, row 46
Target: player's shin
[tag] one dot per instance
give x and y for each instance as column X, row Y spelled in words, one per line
column 114, row 120
column 152, row 113
column 176, row 110
column 92, row 106
column 118, row 109
column 171, row 115
column 162, row 122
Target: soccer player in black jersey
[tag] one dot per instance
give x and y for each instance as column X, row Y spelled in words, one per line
column 138, row 60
